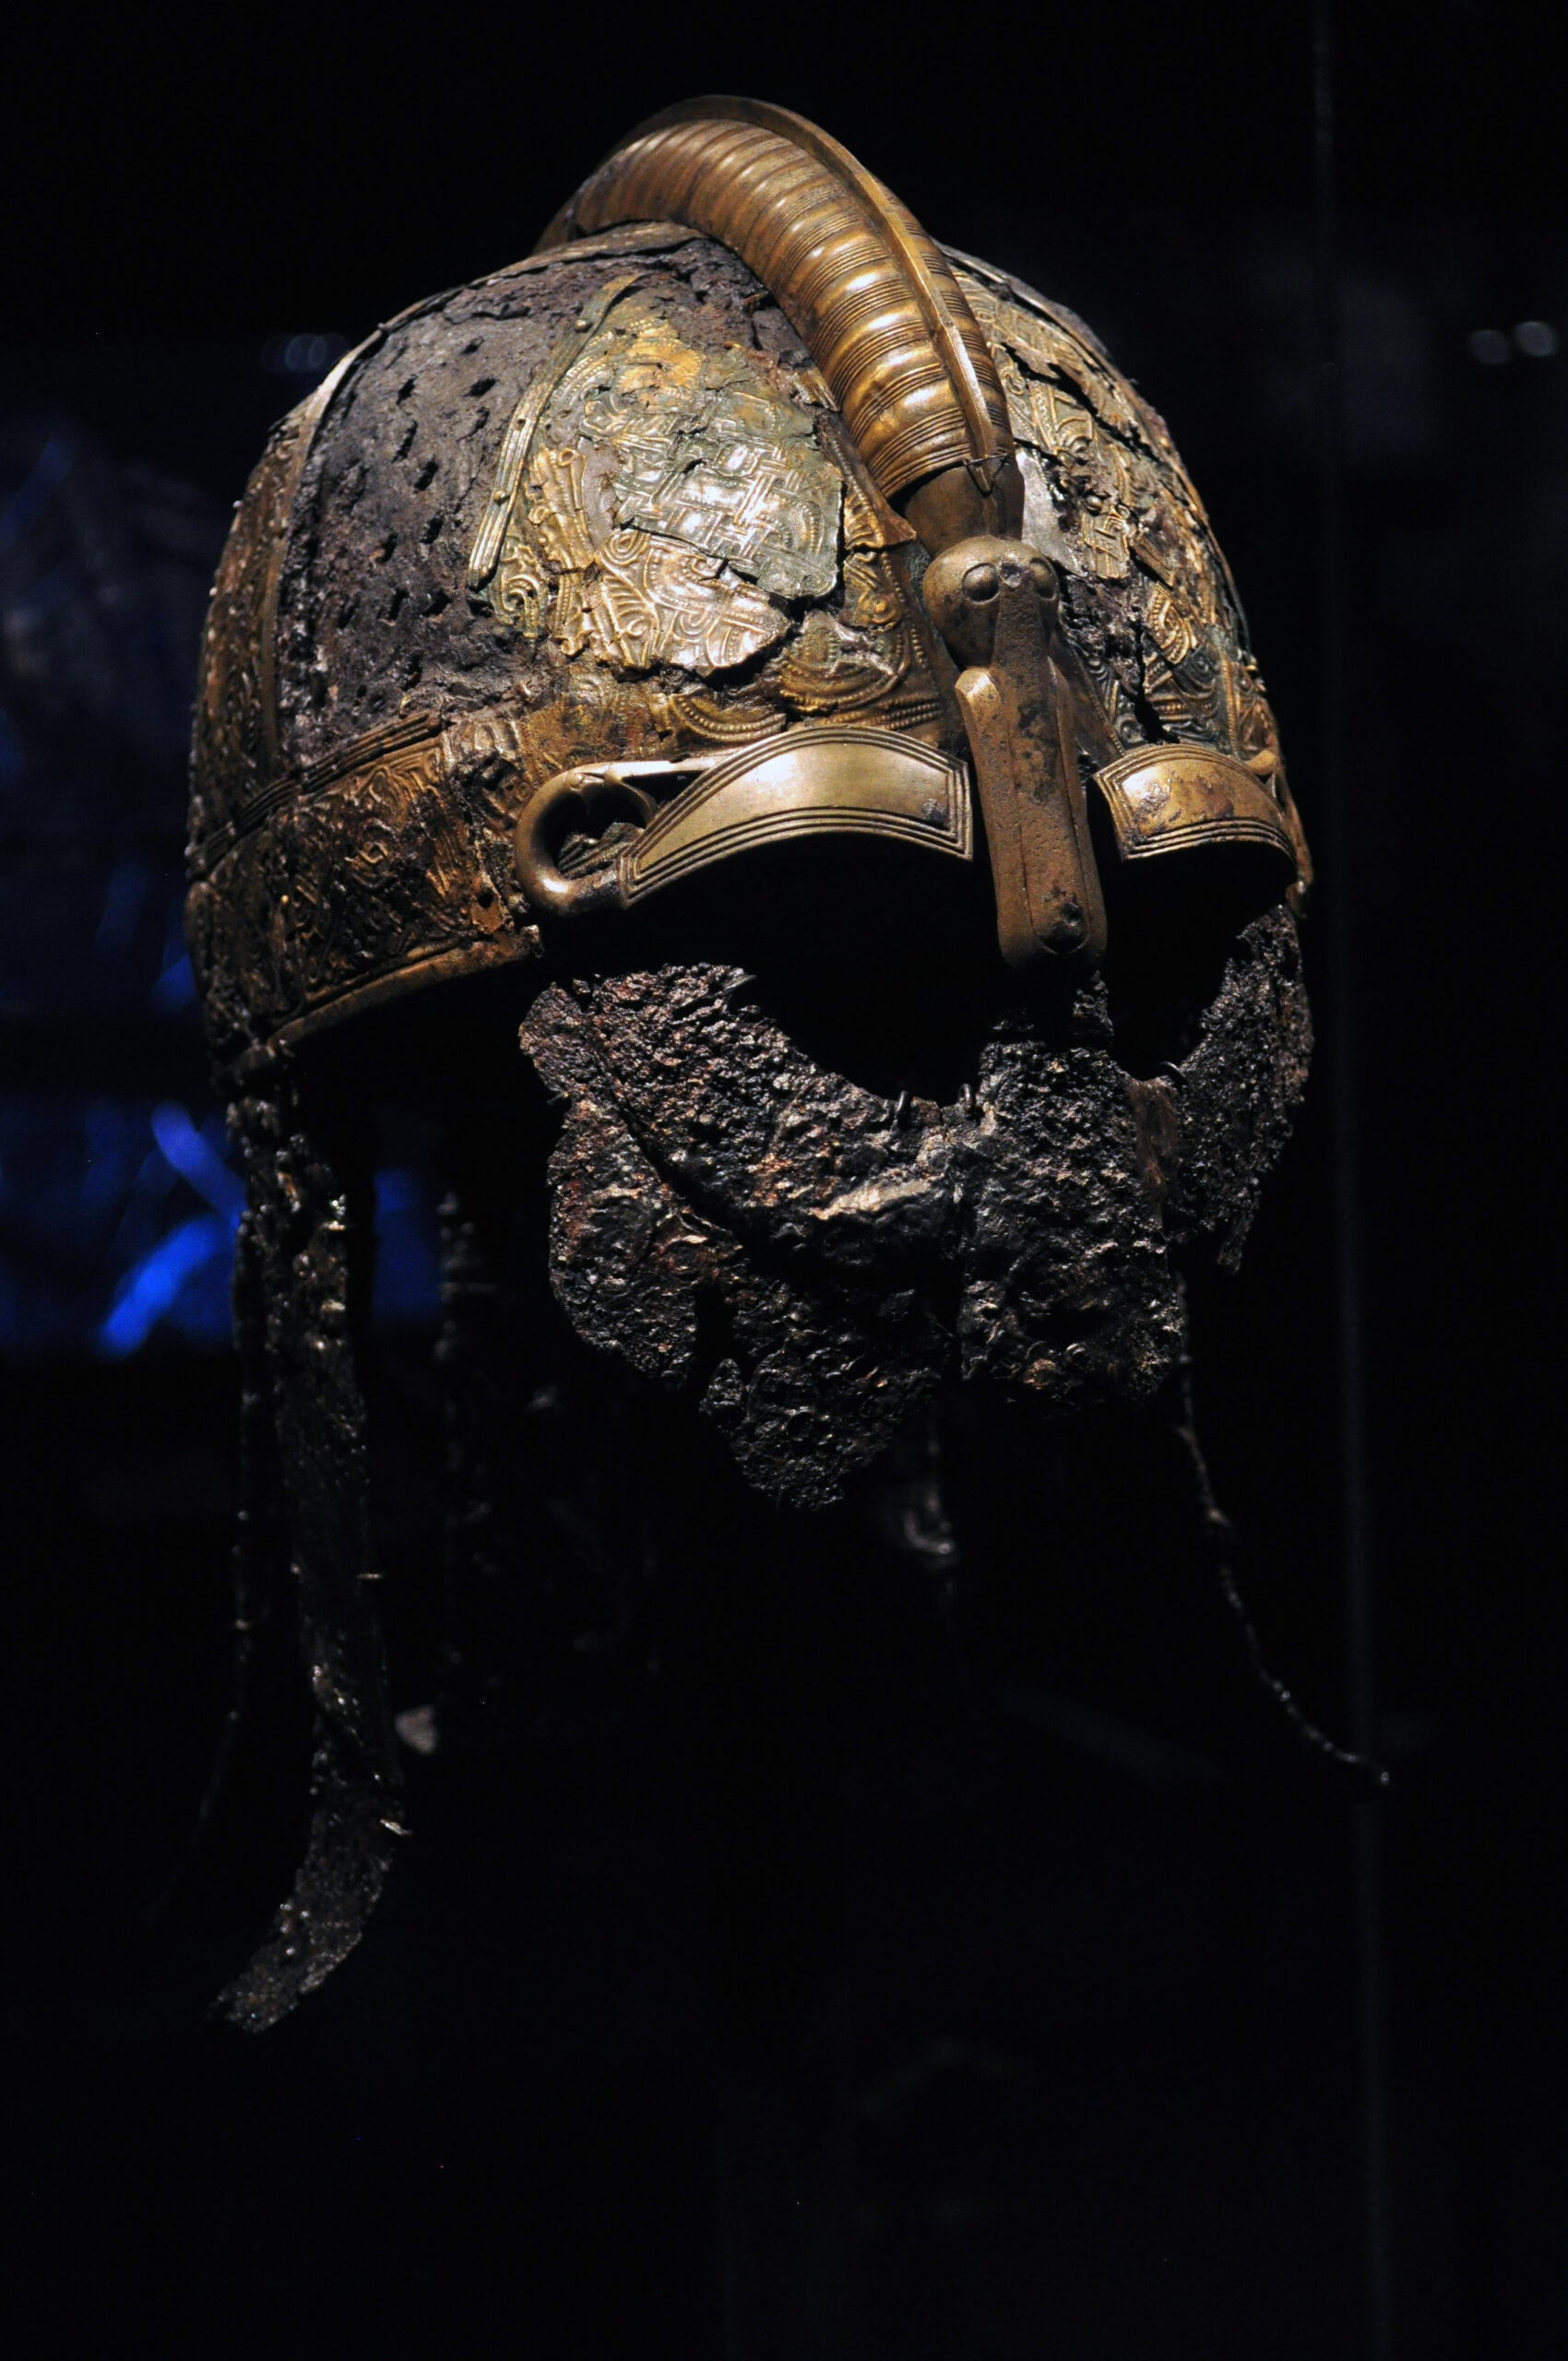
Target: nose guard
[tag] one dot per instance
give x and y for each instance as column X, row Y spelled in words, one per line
column 995, row 603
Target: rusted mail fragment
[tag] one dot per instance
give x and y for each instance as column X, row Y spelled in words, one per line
column 807, row 1259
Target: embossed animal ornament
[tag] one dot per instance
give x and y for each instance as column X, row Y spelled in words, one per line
column 651, row 634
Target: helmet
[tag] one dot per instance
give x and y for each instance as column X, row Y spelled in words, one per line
column 738, row 624
column 721, row 565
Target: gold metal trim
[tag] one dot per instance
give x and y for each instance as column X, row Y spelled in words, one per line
column 305, row 423
column 1174, row 799
column 812, row 779
column 483, row 955
column 293, row 786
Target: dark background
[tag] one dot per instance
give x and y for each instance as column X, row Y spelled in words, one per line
column 1120, row 2109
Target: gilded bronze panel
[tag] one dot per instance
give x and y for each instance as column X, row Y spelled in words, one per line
column 640, row 497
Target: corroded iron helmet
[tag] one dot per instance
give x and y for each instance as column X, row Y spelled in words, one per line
column 794, row 654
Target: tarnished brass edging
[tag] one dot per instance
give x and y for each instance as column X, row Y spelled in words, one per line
column 495, row 731
column 460, row 961
column 1193, row 793
column 295, row 785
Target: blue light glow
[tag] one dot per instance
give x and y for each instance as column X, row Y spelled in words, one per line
column 175, row 987
column 154, row 1286
column 196, row 1160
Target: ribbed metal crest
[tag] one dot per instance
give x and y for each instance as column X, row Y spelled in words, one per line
column 873, row 299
